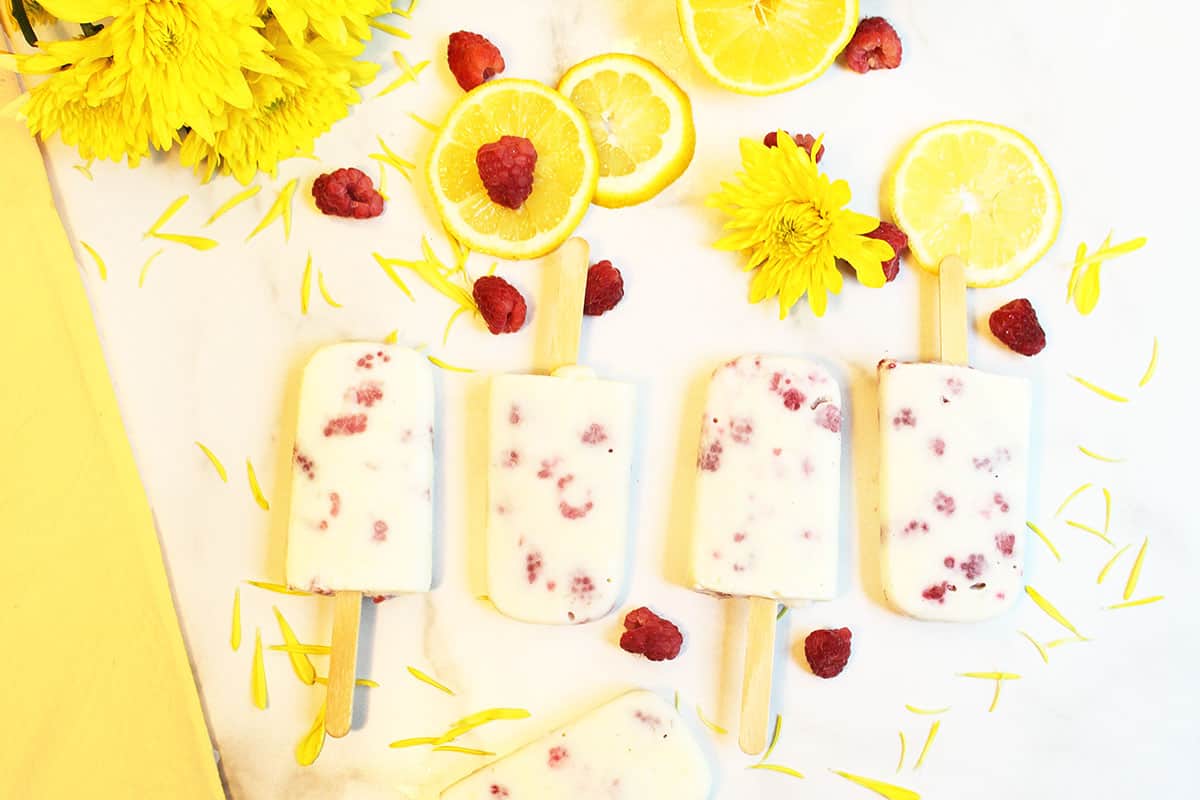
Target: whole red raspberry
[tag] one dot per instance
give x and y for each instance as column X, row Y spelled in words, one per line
column 889, row 233
column 502, row 306
column 875, row 45
column 803, row 140
column 650, row 635
column 827, row 651
column 506, row 169
column 605, row 288
column 347, row 193
column 472, row 59
column 1016, row 324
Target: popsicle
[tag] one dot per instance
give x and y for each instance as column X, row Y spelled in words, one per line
column 635, row 746
column 561, row 453
column 954, row 452
column 361, row 517
column 767, row 504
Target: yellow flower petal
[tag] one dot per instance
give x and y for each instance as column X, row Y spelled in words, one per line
column 1136, row 572
column 255, row 489
column 777, row 768
column 306, row 284
column 280, row 209
column 1149, row 373
column 195, row 242
column 146, row 266
column 232, row 203
column 424, row 678
column 258, row 674
column 235, row 635
column 712, row 726
column 1109, row 564
column 166, row 215
column 1145, row 601
column 1051, row 611
column 309, row 747
column 216, row 462
column 1045, row 540
column 933, row 731
column 100, row 265
column 887, row 790
column 1041, row 650
column 1105, row 393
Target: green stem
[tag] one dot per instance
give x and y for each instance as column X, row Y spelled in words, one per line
column 18, row 11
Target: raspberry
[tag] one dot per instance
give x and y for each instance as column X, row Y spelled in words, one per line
column 827, row 651
column 502, row 306
column 803, row 140
column 347, row 193
column 887, row 232
column 650, row 635
column 875, row 45
column 506, row 169
column 605, row 288
column 472, row 59
column 1016, row 325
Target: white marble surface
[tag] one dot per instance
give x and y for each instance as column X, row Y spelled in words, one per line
column 204, row 351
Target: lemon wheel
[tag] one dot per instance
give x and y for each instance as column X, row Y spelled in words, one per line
column 564, row 179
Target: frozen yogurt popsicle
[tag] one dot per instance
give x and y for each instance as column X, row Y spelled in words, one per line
column 361, row 510
column 953, row 459
column 634, row 747
column 561, row 452
column 768, row 478
column 361, row 507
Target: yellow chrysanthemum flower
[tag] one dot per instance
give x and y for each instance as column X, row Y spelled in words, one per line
column 792, row 221
column 339, row 21
column 288, row 113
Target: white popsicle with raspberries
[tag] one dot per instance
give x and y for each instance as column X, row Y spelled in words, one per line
column 954, row 459
column 560, row 458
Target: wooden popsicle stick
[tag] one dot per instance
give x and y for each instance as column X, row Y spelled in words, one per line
column 756, row 677
column 343, row 663
column 952, row 310
column 562, row 302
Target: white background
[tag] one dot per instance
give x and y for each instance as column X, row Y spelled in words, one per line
column 206, row 349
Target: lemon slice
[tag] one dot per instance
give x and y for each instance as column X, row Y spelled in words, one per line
column 766, row 46
column 564, row 179
column 641, row 122
column 979, row 191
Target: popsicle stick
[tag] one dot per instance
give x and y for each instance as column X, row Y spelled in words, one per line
column 952, row 310
column 566, row 281
column 343, row 663
column 756, row 678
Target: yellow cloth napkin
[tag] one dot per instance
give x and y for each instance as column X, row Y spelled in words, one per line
column 97, row 695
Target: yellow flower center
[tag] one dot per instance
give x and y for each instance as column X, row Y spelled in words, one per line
column 797, row 226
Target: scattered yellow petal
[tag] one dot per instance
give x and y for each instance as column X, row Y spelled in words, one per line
column 1066, row 640
column 1063, row 506
column 301, row 664
column 777, row 768
column 927, row 711
column 100, row 265
column 903, row 751
column 281, row 208
column 450, row 323
column 1109, row 565
column 391, row 157
column 1076, row 270
column 85, row 170
column 233, row 203
column 258, row 673
column 325, row 295
column 1143, row 602
column 424, row 678
column 305, row 649
column 473, row 721
column 995, row 696
column 1107, row 509
column 235, row 637
column 436, row 274
column 163, row 218
column 1106, row 252
column 255, row 489
column 1100, row 390
column 391, row 30
column 1098, row 457
column 280, row 588
column 306, row 284
column 411, row 71
column 195, row 242
column 1051, row 611
column 933, row 731
column 383, row 184
column 1136, row 572
column 1099, row 534
column 308, row 748
column 1045, row 540
column 146, row 267
column 437, row 362
column 712, row 726
column 1152, row 366
column 392, row 337
column 406, row 67
column 417, row 742
column 216, row 462
column 391, row 273
column 991, row 676
column 367, row 682
column 890, row 791
column 470, row 751
column 1041, row 650
column 1085, row 288
column 774, row 735
column 424, row 123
